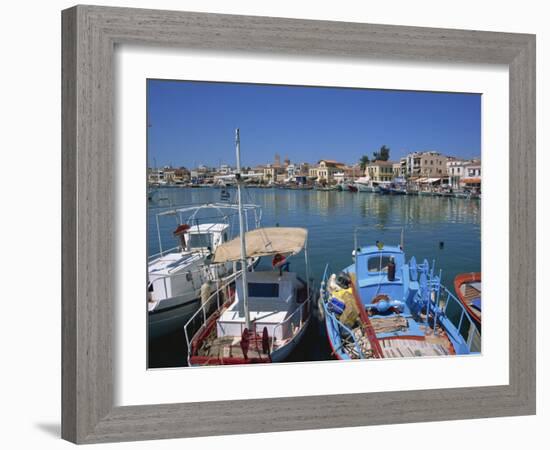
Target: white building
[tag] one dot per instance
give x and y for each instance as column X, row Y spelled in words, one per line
column 455, row 171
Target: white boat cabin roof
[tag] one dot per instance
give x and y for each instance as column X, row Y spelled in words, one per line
column 172, row 262
column 208, row 228
column 271, row 298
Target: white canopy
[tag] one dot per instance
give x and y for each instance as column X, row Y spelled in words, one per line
column 263, row 242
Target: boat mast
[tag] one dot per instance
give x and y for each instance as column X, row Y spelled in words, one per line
column 244, row 267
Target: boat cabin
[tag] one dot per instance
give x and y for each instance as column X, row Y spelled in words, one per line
column 207, row 236
column 172, row 274
column 271, row 300
column 373, row 273
column 372, row 264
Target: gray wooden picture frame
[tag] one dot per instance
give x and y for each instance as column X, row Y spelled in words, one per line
column 90, row 34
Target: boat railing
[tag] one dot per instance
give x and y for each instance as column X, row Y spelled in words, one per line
column 213, row 303
column 189, row 214
column 440, row 303
column 177, row 248
column 292, row 325
column 363, row 228
column 342, row 329
column 464, row 324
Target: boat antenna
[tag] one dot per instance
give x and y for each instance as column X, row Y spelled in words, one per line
column 239, row 180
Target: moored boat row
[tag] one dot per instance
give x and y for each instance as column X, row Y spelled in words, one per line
column 232, row 312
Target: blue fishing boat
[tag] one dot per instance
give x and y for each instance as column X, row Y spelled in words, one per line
column 385, row 306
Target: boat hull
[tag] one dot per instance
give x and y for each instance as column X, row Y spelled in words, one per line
column 282, row 354
column 171, row 319
column 364, row 188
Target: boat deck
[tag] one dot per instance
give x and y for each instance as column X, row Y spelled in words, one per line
column 399, row 345
column 228, row 350
column 397, row 335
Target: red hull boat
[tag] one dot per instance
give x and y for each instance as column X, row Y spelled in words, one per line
column 468, row 291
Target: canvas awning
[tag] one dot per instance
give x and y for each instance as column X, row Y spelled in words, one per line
column 471, row 181
column 433, row 180
column 263, row 242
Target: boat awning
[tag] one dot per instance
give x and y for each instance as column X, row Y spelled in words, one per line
column 471, row 181
column 263, row 242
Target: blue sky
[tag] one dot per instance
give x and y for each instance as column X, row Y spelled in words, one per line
column 192, row 123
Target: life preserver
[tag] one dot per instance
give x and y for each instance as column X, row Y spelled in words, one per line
column 379, row 298
column 278, row 260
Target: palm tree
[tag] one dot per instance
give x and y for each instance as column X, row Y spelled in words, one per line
column 364, row 161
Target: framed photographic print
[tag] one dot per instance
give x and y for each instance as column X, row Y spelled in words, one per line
column 290, row 219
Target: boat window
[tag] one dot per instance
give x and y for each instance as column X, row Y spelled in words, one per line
column 378, row 264
column 200, row 240
column 263, row 290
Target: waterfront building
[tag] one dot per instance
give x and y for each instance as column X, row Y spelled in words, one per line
column 168, row 173
column 426, row 164
column 155, row 176
column 180, row 175
column 403, row 164
column 455, row 171
column 396, row 169
column 312, row 171
column 472, row 175
column 225, row 169
column 380, row 171
column 326, row 169
column 272, row 172
column 199, row 174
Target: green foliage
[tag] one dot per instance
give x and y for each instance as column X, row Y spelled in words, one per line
column 382, row 155
column 363, row 161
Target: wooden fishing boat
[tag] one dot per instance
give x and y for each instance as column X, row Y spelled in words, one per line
column 257, row 316
column 468, row 290
column 260, row 316
column 383, row 306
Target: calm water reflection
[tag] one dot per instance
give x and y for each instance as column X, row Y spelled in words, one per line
column 331, row 218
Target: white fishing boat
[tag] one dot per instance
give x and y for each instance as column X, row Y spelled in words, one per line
column 365, row 184
column 176, row 276
column 255, row 317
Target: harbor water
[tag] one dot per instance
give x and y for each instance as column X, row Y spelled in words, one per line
column 447, row 230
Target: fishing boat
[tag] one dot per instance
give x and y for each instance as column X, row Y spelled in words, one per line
column 176, row 275
column 425, row 192
column 461, row 194
column 392, row 189
column 257, row 316
column 327, row 188
column 468, row 290
column 365, row 184
column 383, row 306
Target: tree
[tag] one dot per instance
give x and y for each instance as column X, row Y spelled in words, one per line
column 364, row 161
column 382, row 155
